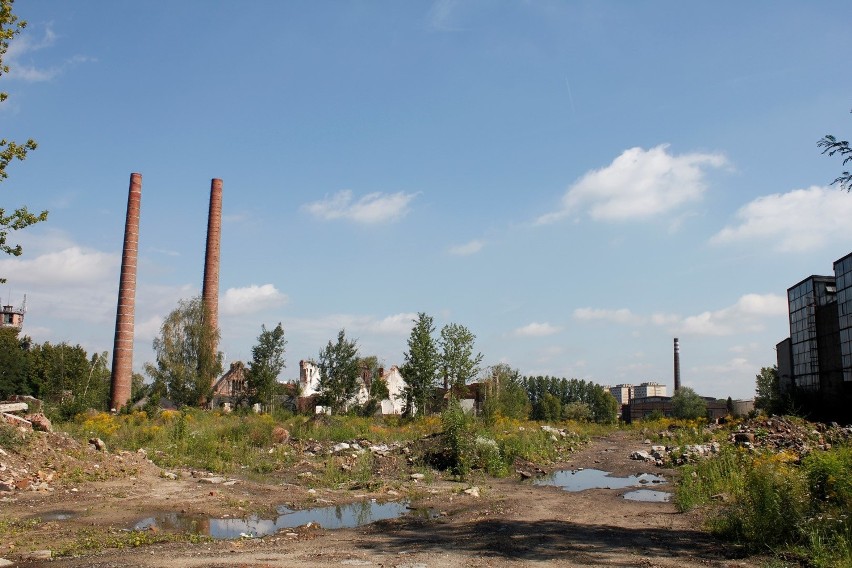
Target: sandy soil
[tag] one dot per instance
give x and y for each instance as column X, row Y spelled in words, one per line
column 511, row 523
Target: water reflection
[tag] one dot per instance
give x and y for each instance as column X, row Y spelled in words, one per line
column 333, row 517
column 648, row 496
column 580, row 480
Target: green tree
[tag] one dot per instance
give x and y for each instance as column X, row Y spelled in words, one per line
column 420, row 366
column 505, row 395
column 267, row 362
column 20, row 218
column 13, row 364
column 459, row 365
column 67, row 378
column 186, row 362
column 831, row 146
column 339, row 372
column 687, row 404
column 604, row 408
column 767, row 390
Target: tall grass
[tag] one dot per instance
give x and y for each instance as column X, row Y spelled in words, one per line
column 774, row 503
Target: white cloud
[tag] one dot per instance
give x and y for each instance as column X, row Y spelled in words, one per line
column 472, row 247
column 746, row 315
column 638, row 184
column 251, row 299
column 371, row 208
column 73, row 266
column 537, row 330
column 26, row 44
column 798, row 221
column 622, row 316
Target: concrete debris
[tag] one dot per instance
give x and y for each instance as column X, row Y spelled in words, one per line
column 39, row 422
column 793, row 435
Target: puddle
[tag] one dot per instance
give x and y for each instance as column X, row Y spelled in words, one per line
column 334, row 517
column 648, row 496
column 57, row 515
column 573, row 480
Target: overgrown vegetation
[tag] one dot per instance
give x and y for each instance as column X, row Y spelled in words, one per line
column 775, row 502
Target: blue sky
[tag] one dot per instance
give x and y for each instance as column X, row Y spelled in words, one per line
column 576, row 182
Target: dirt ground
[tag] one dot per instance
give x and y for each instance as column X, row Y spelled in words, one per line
column 510, row 523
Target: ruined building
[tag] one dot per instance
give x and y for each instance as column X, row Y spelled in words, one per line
column 13, row 317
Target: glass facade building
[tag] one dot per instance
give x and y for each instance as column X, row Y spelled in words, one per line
column 812, row 307
column 843, row 277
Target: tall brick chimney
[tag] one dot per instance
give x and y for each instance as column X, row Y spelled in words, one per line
column 122, row 352
column 676, row 365
column 210, row 289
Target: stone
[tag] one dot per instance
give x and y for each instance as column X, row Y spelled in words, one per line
column 473, row 491
column 640, row 455
column 6, row 487
column 40, row 422
column 37, row 555
column 5, row 562
column 13, row 406
column 523, row 474
column 16, row 421
column 98, row 444
column 340, row 447
column 212, row 480
column 417, row 476
column 744, row 437
column 280, row 434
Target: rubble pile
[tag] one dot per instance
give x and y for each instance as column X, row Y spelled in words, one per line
column 676, row 455
column 776, row 433
column 35, row 458
column 782, row 433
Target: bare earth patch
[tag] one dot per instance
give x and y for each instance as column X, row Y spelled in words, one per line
column 511, row 523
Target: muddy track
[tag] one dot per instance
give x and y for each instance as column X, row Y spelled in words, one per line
column 510, row 524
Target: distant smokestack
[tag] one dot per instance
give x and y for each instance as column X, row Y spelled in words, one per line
column 122, row 352
column 210, row 290
column 676, row 365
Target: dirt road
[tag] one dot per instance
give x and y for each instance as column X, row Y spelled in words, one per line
column 510, row 523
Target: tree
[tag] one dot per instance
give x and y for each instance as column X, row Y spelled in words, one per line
column 10, row 26
column 420, row 368
column 186, row 361
column 604, row 408
column 339, row 372
column 505, row 394
column 768, row 390
column 13, row 364
column 266, row 364
column 458, row 363
column 687, row 404
column 832, row 146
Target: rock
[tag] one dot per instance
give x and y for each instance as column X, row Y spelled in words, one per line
column 280, row 434
column 417, row 476
column 640, row 455
column 4, row 562
column 40, row 422
column 473, row 491
column 6, row 487
column 13, row 406
column 169, row 475
column 523, row 474
column 98, row 444
column 212, row 480
column 16, row 421
column 340, row 447
column 37, row 555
